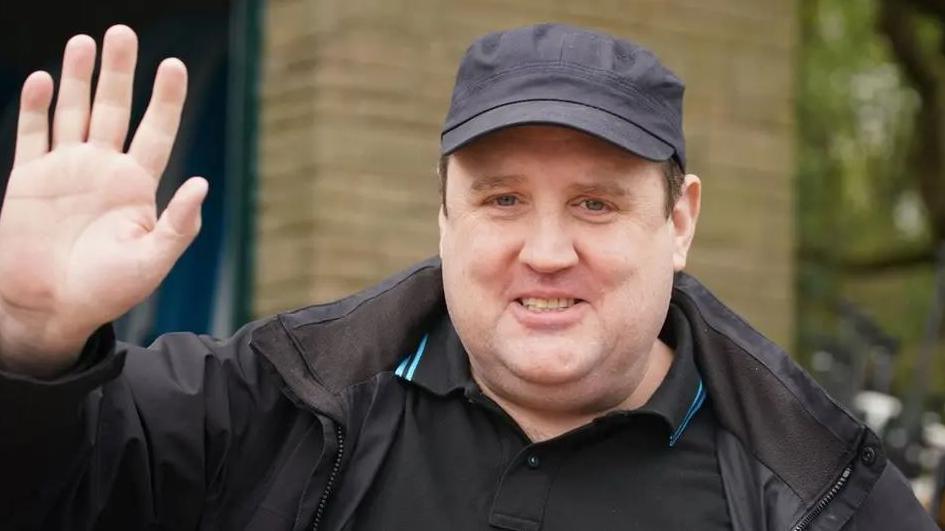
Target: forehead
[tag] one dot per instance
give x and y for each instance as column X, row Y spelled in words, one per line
column 550, row 148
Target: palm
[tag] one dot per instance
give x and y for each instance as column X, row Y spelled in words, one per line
column 80, row 239
column 80, row 214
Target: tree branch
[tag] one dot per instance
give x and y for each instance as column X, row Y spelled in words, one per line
column 895, row 260
column 936, row 8
column 895, row 22
column 926, row 72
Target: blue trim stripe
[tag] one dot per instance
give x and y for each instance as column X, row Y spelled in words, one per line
column 693, row 409
column 409, row 364
column 416, row 357
column 403, row 366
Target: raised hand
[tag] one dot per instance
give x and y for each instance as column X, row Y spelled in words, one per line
column 80, row 239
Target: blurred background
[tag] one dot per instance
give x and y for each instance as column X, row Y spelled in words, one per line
column 817, row 126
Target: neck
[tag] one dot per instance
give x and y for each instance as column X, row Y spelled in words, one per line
column 543, row 423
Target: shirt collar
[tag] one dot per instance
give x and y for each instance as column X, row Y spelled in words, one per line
column 440, row 365
column 681, row 393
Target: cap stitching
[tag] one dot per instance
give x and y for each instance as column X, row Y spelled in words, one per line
column 653, row 104
column 657, row 111
column 646, row 130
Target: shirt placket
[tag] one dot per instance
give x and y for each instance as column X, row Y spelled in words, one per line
column 522, row 494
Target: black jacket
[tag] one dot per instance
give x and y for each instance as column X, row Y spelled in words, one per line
column 283, row 425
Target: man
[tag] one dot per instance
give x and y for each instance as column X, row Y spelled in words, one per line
column 555, row 371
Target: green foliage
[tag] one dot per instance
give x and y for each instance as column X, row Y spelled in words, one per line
column 857, row 195
column 856, row 118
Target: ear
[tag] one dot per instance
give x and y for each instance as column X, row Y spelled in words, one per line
column 441, row 222
column 684, row 217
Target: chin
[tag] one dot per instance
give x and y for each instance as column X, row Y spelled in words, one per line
column 544, row 364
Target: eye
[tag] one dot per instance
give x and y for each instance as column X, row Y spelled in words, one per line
column 594, row 205
column 505, row 200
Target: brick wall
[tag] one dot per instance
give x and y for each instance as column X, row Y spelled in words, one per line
column 353, row 97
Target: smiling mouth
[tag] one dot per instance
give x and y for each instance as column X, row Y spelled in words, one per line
column 534, row 304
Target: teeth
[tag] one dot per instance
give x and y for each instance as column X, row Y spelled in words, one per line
column 545, row 305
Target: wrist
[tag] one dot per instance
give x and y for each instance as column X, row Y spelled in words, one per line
column 34, row 345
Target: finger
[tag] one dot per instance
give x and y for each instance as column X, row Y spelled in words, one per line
column 71, row 120
column 32, row 128
column 180, row 222
column 152, row 143
column 112, row 107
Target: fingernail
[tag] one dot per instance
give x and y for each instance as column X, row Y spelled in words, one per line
column 76, row 40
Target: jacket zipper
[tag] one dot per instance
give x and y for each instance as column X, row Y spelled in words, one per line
column 335, row 468
column 821, row 506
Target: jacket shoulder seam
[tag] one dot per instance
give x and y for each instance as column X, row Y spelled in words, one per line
column 353, row 309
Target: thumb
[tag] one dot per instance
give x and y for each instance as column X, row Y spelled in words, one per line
column 180, row 222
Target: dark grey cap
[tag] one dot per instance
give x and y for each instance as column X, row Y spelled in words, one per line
column 562, row 75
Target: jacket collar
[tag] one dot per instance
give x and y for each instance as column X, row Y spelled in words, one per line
column 779, row 414
column 321, row 350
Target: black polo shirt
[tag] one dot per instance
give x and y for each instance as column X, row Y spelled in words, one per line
column 460, row 462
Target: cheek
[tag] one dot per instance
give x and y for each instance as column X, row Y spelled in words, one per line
column 633, row 273
column 613, row 256
column 476, row 274
column 477, row 271
column 477, row 252
column 628, row 250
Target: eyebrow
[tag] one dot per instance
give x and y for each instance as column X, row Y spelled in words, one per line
column 491, row 182
column 610, row 189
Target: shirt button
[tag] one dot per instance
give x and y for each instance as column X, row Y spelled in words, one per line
column 533, row 461
column 868, row 455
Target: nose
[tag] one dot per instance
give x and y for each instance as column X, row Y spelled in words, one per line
column 548, row 246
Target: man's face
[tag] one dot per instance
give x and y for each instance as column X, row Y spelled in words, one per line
column 558, row 261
